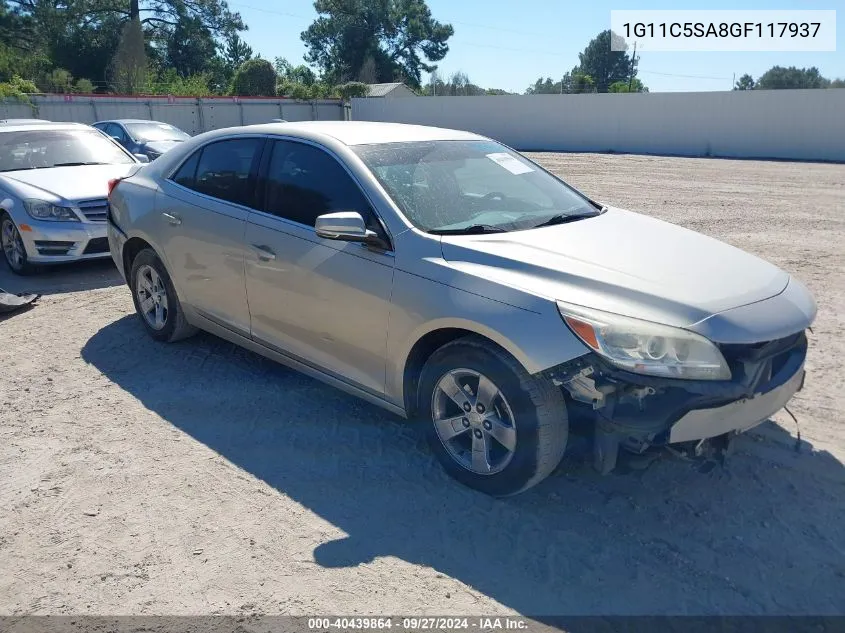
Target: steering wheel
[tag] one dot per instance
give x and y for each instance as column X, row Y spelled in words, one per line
column 496, row 196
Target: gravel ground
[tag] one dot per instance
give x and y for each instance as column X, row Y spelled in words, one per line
column 198, row 478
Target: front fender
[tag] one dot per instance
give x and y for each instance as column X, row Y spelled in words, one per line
column 538, row 340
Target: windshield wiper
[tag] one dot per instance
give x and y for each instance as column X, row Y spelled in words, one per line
column 77, row 164
column 565, row 218
column 472, row 229
column 20, row 169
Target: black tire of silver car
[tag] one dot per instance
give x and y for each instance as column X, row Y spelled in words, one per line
column 155, row 299
column 492, row 426
column 13, row 248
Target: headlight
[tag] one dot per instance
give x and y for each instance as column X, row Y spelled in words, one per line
column 41, row 210
column 644, row 347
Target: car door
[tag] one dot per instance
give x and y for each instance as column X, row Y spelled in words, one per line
column 202, row 211
column 320, row 301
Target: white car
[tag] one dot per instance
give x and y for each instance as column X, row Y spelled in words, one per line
column 54, row 179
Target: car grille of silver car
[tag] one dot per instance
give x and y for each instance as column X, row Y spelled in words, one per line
column 94, row 210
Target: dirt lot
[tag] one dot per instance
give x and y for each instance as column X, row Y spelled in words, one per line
column 138, row 478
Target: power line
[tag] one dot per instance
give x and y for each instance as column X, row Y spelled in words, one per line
column 273, row 11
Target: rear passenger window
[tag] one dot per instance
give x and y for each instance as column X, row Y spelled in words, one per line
column 223, row 170
column 188, row 171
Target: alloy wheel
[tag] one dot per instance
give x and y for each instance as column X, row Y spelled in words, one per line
column 474, row 421
column 12, row 242
column 152, row 297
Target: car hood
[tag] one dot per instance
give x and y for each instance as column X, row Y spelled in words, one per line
column 621, row 262
column 69, row 184
column 160, row 147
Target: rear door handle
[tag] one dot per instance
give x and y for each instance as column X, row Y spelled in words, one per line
column 265, row 253
column 172, row 219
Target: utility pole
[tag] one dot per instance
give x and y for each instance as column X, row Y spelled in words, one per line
column 633, row 66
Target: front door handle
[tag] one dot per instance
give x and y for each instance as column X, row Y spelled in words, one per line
column 265, row 253
column 172, row 219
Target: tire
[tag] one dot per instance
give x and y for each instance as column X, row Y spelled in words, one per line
column 18, row 263
column 532, row 407
column 157, row 287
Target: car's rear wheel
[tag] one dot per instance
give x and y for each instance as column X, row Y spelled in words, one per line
column 491, row 425
column 155, row 299
column 13, row 248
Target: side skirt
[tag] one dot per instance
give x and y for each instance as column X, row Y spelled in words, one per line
column 210, row 326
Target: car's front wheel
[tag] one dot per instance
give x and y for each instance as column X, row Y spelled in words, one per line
column 155, row 299
column 491, row 425
column 13, row 248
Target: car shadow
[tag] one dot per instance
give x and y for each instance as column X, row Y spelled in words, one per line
column 49, row 280
column 762, row 535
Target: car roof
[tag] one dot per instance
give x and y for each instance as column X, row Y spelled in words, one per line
column 47, row 125
column 132, row 121
column 364, row 132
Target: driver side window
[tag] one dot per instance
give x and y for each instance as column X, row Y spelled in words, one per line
column 304, row 182
column 116, row 131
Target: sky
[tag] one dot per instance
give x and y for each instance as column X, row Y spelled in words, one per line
column 508, row 44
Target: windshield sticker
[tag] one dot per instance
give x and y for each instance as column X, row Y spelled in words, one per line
column 507, row 161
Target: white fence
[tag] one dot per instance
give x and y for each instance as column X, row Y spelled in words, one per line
column 187, row 113
column 787, row 124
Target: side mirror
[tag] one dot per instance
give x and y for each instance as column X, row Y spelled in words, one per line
column 347, row 226
column 142, row 158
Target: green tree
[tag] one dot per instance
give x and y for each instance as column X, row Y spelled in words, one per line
column 236, row 52
column 58, row 81
column 604, row 65
column 352, row 89
column 634, row 85
column 837, row 83
column 780, row 78
column 188, row 47
column 400, row 37
column 83, row 86
column 83, row 36
column 128, row 73
column 17, row 88
column 170, row 82
column 746, row 82
column 255, row 78
column 544, row 87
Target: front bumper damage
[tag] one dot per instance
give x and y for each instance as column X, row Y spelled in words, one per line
column 637, row 412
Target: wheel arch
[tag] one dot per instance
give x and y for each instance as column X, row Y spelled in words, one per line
column 134, row 245
column 435, row 337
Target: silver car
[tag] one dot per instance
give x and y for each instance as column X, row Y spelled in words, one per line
column 448, row 279
column 53, row 185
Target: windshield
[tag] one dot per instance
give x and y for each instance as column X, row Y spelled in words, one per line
column 471, row 186
column 147, row 132
column 40, row 149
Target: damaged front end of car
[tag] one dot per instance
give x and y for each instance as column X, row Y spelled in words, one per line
column 700, row 397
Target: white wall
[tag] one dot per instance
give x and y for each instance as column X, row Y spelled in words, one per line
column 789, row 124
column 189, row 114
